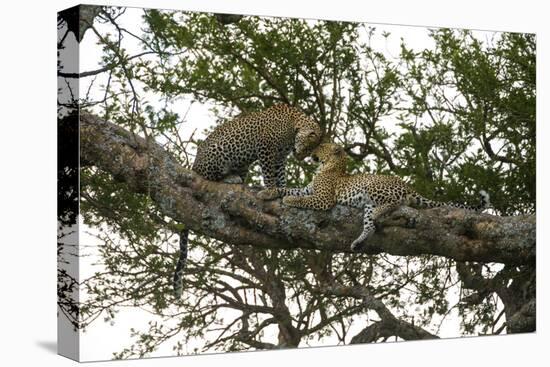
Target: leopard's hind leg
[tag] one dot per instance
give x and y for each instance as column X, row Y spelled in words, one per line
column 368, row 227
column 237, row 175
column 370, row 214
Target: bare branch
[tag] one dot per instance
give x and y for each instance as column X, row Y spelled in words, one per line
column 389, row 325
column 103, row 69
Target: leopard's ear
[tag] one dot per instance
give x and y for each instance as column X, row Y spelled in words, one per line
column 340, row 151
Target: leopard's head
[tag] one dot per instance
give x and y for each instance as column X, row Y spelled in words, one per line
column 308, row 136
column 330, row 154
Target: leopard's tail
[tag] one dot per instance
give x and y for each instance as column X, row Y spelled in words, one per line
column 178, row 274
column 419, row 201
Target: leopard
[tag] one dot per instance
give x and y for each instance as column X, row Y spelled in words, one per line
column 267, row 137
column 375, row 194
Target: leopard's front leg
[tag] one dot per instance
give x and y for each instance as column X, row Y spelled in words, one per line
column 277, row 192
column 317, row 202
column 273, row 167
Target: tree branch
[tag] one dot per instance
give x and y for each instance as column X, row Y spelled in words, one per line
column 388, row 326
column 233, row 213
column 107, row 67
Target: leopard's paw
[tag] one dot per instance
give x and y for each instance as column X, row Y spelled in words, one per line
column 289, row 201
column 356, row 246
column 233, row 180
column 268, row 194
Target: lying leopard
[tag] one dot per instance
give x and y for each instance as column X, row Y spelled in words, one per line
column 375, row 194
column 267, row 137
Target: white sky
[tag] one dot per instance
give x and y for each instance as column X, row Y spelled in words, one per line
column 102, row 339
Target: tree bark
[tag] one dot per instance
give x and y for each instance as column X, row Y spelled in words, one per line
column 233, row 214
column 516, row 288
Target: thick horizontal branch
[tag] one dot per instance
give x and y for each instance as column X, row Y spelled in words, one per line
column 233, row 213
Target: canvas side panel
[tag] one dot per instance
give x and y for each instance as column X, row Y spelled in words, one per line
column 68, row 342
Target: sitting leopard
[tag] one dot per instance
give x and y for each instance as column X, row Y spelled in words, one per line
column 375, row 194
column 268, row 137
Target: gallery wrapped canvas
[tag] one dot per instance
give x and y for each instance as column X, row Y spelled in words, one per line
column 234, row 182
